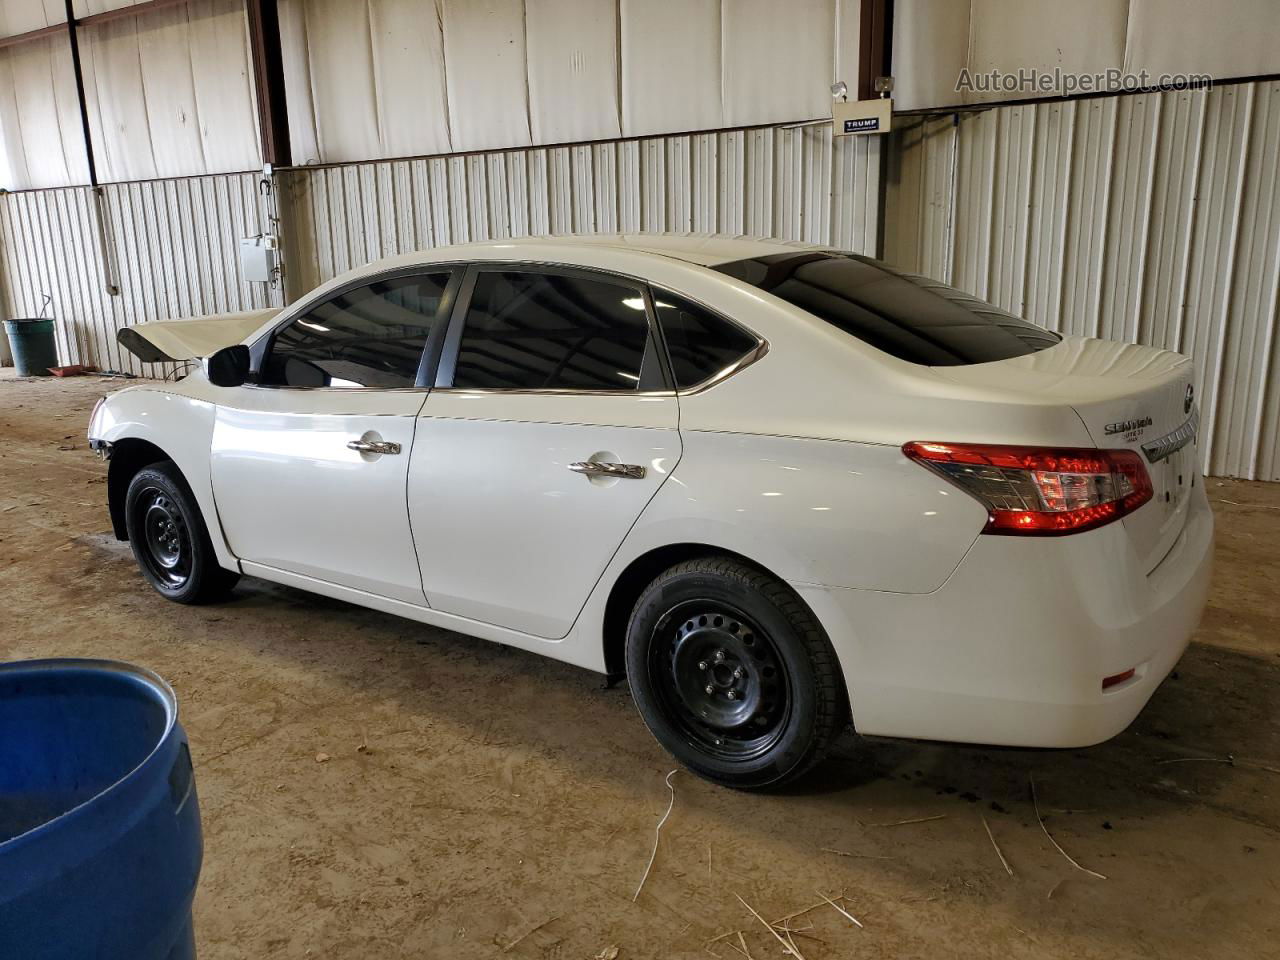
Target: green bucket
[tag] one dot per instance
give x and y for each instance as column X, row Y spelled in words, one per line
column 33, row 346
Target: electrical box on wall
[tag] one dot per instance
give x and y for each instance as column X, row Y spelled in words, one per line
column 861, row 116
column 258, row 258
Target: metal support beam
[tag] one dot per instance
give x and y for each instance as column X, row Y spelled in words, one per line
column 136, row 10
column 56, row 30
column 875, row 44
column 59, row 29
column 875, row 59
column 112, row 288
column 268, row 81
column 84, row 107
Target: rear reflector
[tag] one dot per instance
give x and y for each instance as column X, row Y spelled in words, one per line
column 1118, row 678
column 1041, row 491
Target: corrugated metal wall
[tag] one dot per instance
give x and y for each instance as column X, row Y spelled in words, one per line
column 174, row 249
column 1153, row 218
column 175, row 241
column 767, row 182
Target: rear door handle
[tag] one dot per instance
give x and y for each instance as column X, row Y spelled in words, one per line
column 374, row 446
column 598, row 468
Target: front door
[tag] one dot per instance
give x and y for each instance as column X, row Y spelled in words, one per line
column 549, row 431
column 310, row 463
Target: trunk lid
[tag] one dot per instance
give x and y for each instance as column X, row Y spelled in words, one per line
column 1128, row 397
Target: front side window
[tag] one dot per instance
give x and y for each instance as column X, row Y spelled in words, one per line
column 369, row 336
column 544, row 331
column 700, row 344
column 905, row 315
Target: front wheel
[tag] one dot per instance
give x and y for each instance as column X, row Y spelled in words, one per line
column 733, row 675
column 169, row 539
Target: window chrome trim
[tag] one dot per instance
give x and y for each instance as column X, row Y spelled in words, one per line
column 315, row 297
column 345, row 391
column 761, row 349
column 751, row 356
column 460, row 286
column 552, row 392
column 1162, row 447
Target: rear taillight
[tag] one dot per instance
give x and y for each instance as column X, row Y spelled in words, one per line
column 1041, row 491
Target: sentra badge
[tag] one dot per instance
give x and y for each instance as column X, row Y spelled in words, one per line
column 1128, row 426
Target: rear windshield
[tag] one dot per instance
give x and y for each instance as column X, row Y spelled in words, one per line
column 910, row 317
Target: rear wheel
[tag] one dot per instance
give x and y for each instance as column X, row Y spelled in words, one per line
column 733, row 675
column 169, row 538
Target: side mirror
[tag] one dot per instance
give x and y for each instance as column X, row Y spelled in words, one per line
column 229, row 367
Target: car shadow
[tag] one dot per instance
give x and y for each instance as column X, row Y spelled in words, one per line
column 1218, row 703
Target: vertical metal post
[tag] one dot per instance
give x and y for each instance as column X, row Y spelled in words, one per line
column 84, row 109
column 875, row 59
column 875, row 44
column 268, row 81
column 100, row 214
column 273, row 123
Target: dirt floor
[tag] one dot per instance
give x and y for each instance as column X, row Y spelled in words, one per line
column 374, row 788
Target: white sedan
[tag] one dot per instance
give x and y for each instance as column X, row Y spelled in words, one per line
column 777, row 487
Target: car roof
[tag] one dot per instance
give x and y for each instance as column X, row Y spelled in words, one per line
column 705, row 250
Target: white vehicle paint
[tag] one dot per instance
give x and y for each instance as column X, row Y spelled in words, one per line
column 792, row 459
column 497, row 464
column 293, row 496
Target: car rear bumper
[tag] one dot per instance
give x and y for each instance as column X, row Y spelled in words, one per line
column 1014, row 647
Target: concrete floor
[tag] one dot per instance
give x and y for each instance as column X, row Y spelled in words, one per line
column 472, row 792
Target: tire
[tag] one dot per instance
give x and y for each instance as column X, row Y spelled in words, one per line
column 169, row 539
column 776, row 702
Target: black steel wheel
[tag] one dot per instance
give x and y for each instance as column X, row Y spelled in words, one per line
column 721, row 679
column 166, row 541
column 732, row 674
column 169, row 539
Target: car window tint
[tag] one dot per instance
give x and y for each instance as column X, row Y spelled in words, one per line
column 910, row 317
column 370, row 336
column 544, row 331
column 699, row 343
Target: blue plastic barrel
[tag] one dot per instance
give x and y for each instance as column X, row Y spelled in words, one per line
column 100, row 842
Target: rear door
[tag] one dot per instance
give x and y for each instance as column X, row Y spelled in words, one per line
column 550, row 428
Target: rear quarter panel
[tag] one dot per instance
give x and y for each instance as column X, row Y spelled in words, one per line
column 828, row 512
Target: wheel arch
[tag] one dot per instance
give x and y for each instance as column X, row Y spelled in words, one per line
column 128, row 456
column 142, row 425
column 637, row 575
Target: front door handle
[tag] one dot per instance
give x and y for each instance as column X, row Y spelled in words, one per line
column 374, row 446
column 597, row 468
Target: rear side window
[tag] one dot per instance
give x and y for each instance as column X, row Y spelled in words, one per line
column 907, row 316
column 369, row 336
column 544, row 331
column 700, row 344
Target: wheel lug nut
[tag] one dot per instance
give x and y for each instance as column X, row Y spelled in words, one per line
column 719, row 656
column 731, row 695
column 737, row 673
column 709, row 688
column 702, row 664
